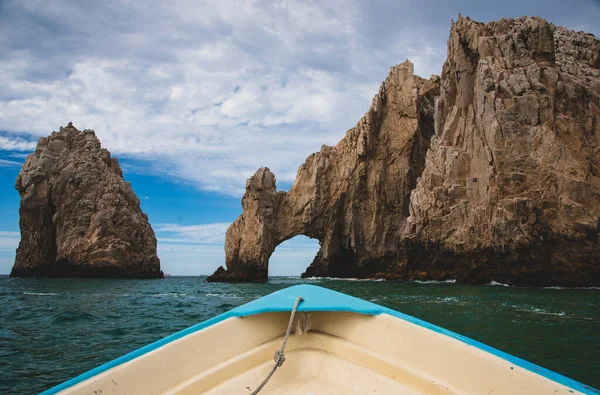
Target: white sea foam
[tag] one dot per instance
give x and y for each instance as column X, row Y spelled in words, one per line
column 497, row 284
column 435, row 281
column 561, row 314
column 450, row 299
column 40, row 293
column 343, row 279
column 170, row 294
column 227, row 296
column 537, row 310
column 231, row 296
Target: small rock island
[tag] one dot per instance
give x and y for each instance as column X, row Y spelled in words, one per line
column 78, row 216
column 490, row 172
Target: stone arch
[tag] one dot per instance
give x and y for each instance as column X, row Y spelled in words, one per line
column 352, row 198
column 267, row 221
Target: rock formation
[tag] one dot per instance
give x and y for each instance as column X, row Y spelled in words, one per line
column 353, row 197
column 491, row 172
column 78, row 216
column 511, row 189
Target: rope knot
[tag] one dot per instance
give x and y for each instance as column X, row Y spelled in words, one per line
column 279, row 358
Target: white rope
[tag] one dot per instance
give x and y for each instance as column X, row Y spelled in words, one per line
column 279, row 356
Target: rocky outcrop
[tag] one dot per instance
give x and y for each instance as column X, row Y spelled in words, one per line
column 511, row 190
column 78, row 216
column 491, row 172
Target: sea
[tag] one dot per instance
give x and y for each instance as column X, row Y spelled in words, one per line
column 54, row 329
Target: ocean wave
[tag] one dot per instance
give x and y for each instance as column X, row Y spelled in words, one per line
column 557, row 287
column 170, row 294
column 497, row 284
column 71, row 315
column 452, row 299
column 40, row 293
column 435, row 281
column 226, row 296
column 342, row 279
column 537, row 310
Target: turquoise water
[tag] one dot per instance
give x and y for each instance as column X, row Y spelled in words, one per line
column 54, row 329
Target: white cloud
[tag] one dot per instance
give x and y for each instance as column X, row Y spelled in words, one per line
column 16, row 144
column 204, row 233
column 18, row 155
column 9, row 163
column 209, row 92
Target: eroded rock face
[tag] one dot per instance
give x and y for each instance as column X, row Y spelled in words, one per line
column 511, row 188
column 78, row 216
column 490, row 173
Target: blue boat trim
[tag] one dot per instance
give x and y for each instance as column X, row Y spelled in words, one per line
column 319, row 299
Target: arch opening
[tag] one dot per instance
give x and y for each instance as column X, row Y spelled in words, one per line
column 292, row 256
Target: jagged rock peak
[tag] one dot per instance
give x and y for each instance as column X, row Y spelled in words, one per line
column 263, row 179
column 78, row 216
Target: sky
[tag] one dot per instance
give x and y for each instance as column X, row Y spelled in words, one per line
column 194, row 97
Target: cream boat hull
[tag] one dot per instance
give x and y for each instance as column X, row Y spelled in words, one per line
column 352, row 346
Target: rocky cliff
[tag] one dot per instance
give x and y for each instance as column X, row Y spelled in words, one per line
column 78, row 216
column 511, row 189
column 491, row 172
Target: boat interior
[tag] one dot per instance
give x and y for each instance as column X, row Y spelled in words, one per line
column 329, row 353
